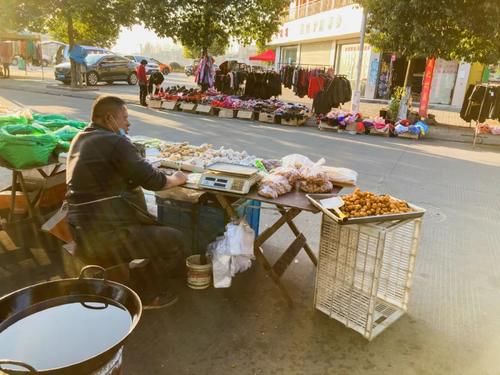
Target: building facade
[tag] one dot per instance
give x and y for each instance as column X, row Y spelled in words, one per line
column 326, row 34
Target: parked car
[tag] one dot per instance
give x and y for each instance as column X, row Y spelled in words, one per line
column 151, row 67
column 62, row 53
column 164, row 67
column 101, row 68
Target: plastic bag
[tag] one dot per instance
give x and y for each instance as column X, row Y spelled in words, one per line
column 314, row 179
column 221, row 263
column 495, row 130
column 272, row 186
column 290, row 173
column 296, row 161
column 341, row 176
column 240, row 238
column 26, row 145
column 66, row 133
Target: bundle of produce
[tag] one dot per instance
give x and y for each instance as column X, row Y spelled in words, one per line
column 272, row 186
column 314, row 180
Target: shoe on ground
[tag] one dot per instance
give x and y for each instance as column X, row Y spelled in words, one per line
column 160, row 301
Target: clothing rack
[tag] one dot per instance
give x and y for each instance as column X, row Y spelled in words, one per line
column 476, row 130
column 307, row 65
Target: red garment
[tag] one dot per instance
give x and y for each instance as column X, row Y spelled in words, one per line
column 141, row 74
column 316, row 84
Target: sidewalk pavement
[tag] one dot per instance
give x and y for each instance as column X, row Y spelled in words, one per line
column 451, row 127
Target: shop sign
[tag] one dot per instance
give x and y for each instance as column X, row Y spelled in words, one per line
column 335, row 22
column 426, row 87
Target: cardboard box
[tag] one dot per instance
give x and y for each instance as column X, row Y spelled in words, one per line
column 267, row 117
column 206, row 109
column 154, row 104
column 188, row 107
column 293, row 122
column 170, row 104
column 245, row 115
column 226, row 113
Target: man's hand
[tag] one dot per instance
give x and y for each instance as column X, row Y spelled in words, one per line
column 177, row 179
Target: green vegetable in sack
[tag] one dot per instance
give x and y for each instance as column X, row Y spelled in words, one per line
column 66, row 133
column 25, row 146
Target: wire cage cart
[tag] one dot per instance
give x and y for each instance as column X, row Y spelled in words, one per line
column 365, row 271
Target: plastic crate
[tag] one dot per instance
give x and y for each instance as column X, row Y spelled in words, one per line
column 365, row 272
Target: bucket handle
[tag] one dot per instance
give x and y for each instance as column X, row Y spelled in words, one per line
column 92, row 267
column 31, row 369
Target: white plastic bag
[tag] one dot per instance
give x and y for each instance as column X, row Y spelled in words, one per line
column 341, row 176
column 240, row 263
column 296, row 161
column 221, row 263
column 240, row 238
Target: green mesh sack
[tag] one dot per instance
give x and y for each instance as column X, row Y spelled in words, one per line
column 62, row 146
column 25, row 146
column 13, row 118
column 49, row 117
column 66, row 133
column 60, row 123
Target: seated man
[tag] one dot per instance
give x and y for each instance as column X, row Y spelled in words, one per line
column 107, row 210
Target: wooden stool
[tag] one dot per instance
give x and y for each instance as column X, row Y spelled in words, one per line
column 73, row 264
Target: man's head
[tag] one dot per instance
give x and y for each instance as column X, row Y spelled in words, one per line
column 110, row 112
column 144, row 62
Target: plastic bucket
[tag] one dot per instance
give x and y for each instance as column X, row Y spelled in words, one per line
column 199, row 276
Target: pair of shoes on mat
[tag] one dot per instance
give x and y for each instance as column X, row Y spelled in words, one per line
column 160, row 301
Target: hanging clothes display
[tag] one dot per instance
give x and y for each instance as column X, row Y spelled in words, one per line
column 481, row 102
column 205, row 73
column 229, row 83
column 263, row 85
column 336, row 91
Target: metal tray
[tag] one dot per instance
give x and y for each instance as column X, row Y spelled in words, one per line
column 316, row 198
column 181, row 166
column 233, row 169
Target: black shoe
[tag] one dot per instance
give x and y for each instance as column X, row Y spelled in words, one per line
column 164, row 299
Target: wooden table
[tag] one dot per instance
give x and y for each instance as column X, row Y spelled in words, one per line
column 18, row 178
column 289, row 206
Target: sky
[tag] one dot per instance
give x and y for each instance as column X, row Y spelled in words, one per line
column 130, row 40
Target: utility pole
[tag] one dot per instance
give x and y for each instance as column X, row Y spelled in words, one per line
column 356, row 95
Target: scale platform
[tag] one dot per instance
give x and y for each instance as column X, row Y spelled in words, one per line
column 233, row 178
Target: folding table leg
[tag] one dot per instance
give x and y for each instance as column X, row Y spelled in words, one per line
column 13, row 196
column 296, row 231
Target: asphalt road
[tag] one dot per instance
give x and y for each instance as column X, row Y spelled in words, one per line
column 452, row 326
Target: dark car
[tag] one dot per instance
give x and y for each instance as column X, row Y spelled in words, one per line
column 151, row 66
column 101, row 68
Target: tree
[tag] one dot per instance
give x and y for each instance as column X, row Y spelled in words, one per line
column 466, row 30
column 215, row 50
column 73, row 21
column 203, row 24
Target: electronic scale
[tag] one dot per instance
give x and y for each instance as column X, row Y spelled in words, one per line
column 233, row 178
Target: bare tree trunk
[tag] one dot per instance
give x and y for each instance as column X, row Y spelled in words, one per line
column 71, row 39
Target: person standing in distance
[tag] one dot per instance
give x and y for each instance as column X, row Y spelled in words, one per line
column 143, row 82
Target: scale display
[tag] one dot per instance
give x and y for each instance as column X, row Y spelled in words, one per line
column 230, row 177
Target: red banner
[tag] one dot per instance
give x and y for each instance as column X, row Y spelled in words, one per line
column 426, row 87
